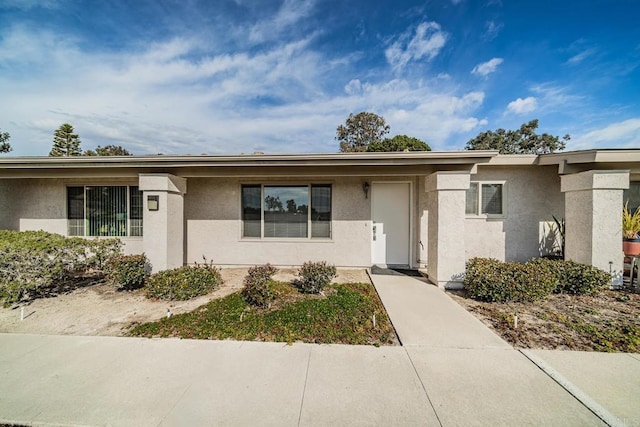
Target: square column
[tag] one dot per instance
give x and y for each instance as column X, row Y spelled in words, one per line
column 446, row 200
column 163, row 240
column 593, row 219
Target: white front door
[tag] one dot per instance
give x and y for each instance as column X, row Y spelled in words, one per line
column 390, row 204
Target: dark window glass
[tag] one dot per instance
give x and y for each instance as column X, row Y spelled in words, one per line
column 632, row 195
column 251, row 210
column 75, row 210
column 321, row 211
column 286, row 211
column 491, row 199
column 135, row 211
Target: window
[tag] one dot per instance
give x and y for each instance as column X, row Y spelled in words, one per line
column 632, row 195
column 104, row 211
column 286, row 211
column 485, row 199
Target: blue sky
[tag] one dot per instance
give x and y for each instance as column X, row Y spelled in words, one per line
column 237, row 76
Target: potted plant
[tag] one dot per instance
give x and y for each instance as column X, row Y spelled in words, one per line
column 630, row 231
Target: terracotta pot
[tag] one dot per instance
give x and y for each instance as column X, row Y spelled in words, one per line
column 631, row 247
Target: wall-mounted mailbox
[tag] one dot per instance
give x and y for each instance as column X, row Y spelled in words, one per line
column 153, row 203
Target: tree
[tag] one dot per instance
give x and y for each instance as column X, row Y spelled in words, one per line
column 361, row 130
column 5, row 147
column 108, row 150
column 522, row 141
column 399, row 143
column 65, row 142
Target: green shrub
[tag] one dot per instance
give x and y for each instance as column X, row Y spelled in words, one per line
column 488, row 279
column 183, row 283
column 127, row 272
column 257, row 285
column 314, row 276
column 574, row 278
column 35, row 263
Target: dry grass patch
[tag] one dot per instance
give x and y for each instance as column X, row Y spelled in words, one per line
column 608, row 320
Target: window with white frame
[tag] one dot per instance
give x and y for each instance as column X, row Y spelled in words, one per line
column 114, row 211
column 485, row 199
column 286, row 211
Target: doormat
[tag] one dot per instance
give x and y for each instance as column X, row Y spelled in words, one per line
column 395, row 271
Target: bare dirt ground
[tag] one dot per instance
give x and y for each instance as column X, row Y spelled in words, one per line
column 101, row 310
column 606, row 321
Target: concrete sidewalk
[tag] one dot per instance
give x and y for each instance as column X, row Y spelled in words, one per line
column 70, row 380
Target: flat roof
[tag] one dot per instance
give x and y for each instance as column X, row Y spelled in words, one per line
column 335, row 164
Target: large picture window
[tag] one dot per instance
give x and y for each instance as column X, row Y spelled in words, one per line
column 104, row 211
column 286, row 211
column 485, row 199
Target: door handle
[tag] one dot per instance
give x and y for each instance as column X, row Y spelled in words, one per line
column 374, row 232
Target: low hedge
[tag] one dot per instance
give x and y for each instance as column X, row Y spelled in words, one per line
column 183, row 283
column 573, row 277
column 127, row 272
column 257, row 289
column 36, row 263
column 491, row 280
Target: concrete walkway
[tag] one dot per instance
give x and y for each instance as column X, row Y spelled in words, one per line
column 441, row 336
column 467, row 376
column 424, row 315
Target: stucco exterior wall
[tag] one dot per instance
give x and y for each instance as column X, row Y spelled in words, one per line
column 41, row 204
column 533, row 197
column 214, row 226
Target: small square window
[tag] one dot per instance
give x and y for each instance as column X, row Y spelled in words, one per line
column 485, row 199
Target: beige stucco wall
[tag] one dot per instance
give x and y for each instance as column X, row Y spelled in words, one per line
column 164, row 229
column 532, row 198
column 594, row 225
column 213, row 221
column 446, row 227
column 41, row 204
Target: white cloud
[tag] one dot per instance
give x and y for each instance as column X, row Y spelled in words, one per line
column 625, row 134
column 486, row 68
column 426, row 42
column 578, row 58
column 556, row 98
column 523, row 106
column 170, row 97
column 290, row 13
column 492, row 30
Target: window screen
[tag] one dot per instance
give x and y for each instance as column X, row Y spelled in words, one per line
column 472, row 199
column 491, row 199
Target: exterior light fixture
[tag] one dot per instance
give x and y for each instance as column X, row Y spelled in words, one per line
column 153, row 203
column 365, row 188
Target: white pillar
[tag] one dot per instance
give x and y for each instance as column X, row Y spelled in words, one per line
column 446, row 230
column 163, row 239
column 593, row 219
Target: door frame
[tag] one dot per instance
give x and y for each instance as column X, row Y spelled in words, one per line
column 411, row 216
